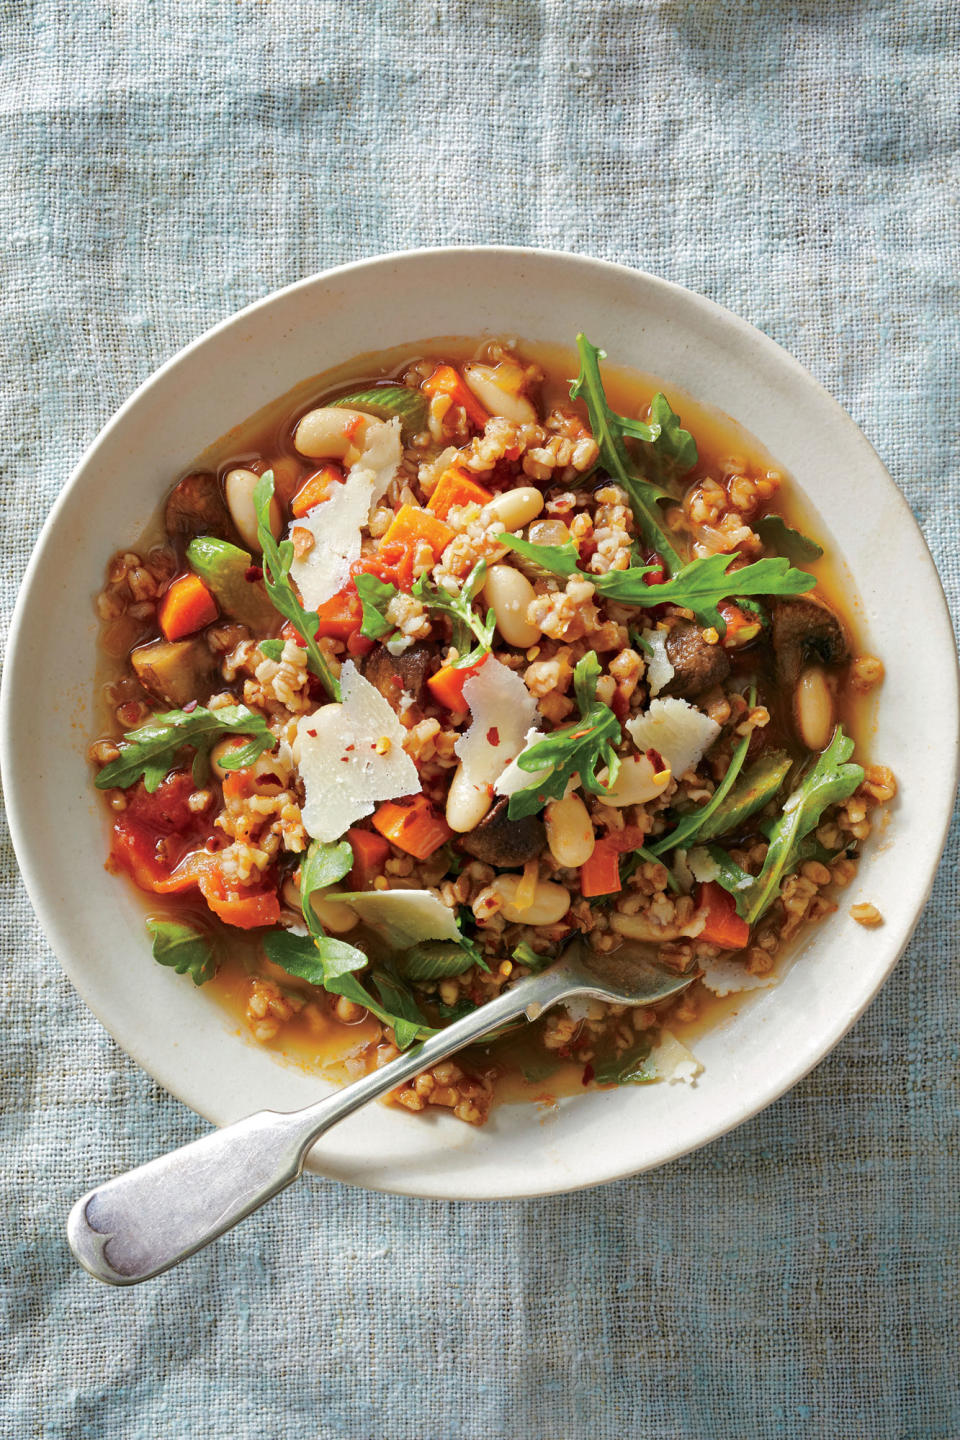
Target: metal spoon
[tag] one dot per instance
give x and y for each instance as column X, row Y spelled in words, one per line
column 151, row 1218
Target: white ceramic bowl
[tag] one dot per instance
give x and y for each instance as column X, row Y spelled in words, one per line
column 60, row 830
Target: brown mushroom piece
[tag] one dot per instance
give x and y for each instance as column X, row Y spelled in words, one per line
column 500, row 841
column 196, row 507
column 697, row 665
column 176, row 671
column 805, row 632
column 394, row 674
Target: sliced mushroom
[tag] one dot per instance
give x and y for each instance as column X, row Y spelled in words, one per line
column 196, row 507
column 697, row 666
column 394, row 674
column 176, row 671
column 500, row 841
column 805, row 632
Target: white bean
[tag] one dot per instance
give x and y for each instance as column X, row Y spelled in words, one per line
column 331, row 433
column 515, row 508
column 548, row 532
column 331, row 912
column 814, row 708
column 497, row 389
column 239, row 487
column 509, row 594
column 636, row 783
column 466, row 804
column 569, row 831
column 550, row 902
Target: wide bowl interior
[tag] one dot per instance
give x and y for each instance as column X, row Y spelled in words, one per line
column 94, row 921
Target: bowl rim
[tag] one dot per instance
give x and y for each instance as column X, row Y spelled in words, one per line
column 55, row 932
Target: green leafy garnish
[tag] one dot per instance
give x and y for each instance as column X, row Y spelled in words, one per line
column 466, row 621
column 524, row 955
column 184, row 949
column 577, row 749
column 832, row 779
column 666, row 449
column 277, row 560
column 699, row 586
column 437, row 960
column 375, row 596
column 408, row 1020
column 385, row 401
column 273, row 649
column 694, row 823
column 797, row 547
column 631, row 1067
column 754, row 789
column 151, row 750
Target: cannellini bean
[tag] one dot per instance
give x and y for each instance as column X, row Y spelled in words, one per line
column 550, row 902
column 331, row 912
column 569, row 831
column 466, row 804
column 641, row 927
column 497, row 389
column 548, row 532
column 509, row 594
column 813, row 708
column 239, row 487
column 333, row 434
column 637, row 782
column 515, row 508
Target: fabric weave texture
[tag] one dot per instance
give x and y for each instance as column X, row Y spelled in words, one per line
column 164, row 164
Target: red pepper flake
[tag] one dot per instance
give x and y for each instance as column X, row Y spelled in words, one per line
column 350, row 747
column 657, row 576
column 588, row 1074
column 312, row 734
column 656, row 760
column 253, row 573
column 493, row 736
column 190, row 706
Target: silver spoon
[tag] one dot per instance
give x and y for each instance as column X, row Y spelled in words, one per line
column 151, row 1218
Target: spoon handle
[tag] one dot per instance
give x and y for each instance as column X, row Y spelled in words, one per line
column 132, row 1228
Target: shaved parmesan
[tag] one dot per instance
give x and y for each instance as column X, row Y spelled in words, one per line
column 343, row 772
column 403, row 917
column 681, row 733
column 513, row 778
column 673, row 1062
column 702, row 865
column 659, row 670
column 502, row 710
column 335, row 524
column 729, row 977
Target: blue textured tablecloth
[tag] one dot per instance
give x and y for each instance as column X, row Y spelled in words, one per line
column 162, row 165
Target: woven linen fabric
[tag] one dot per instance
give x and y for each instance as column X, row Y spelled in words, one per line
column 164, row 164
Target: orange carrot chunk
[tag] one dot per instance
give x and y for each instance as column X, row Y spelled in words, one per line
column 415, row 828
column 601, row 873
column 446, row 686
column 186, row 607
column 446, row 381
column 315, row 489
column 246, row 909
column 456, row 488
column 410, row 525
column 724, row 926
column 370, row 853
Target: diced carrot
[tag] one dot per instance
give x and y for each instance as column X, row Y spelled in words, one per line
column 246, row 909
column 370, row 853
column 134, row 849
column 724, row 926
column 446, row 381
column 415, row 828
column 600, row 875
column 446, row 686
column 741, row 626
column 393, row 564
column 341, row 615
column 315, row 489
column 411, row 525
column 186, row 607
column 456, row 488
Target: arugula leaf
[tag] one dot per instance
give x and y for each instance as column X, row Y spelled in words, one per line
column 698, row 586
column 273, row 649
column 628, row 1068
column 576, row 749
column 466, row 621
column 775, row 532
column 524, row 955
column 436, row 960
column 831, row 779
column 409, row 1022
column 693, row 823
column 151, row 749
column 385, row 401
column 673, row 444
column 277, row 560
column 609, row 430
column 324, row 864
column 184, row 949
column 375, row 596
column 754, row 789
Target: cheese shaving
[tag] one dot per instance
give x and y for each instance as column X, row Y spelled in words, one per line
column 673, row 1062
column 730, row 977
column 513, row 778
column 681, row 733
column 345, row 768
column 659, row 669
column 502, row 711
column 403, row 917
